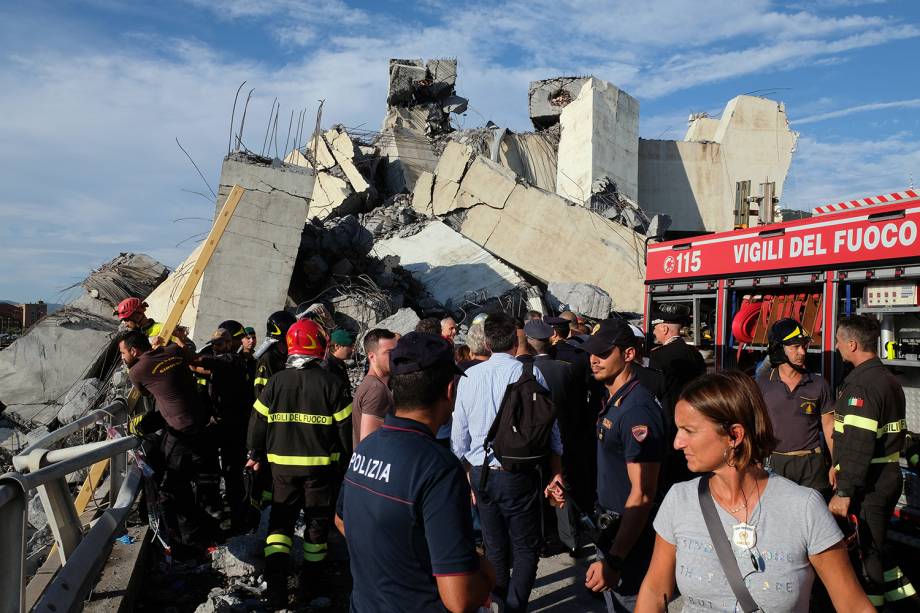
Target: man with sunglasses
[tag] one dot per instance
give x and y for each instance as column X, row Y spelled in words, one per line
column 800, row 407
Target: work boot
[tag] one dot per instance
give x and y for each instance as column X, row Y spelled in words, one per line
column 313, row 583
column 276, row 578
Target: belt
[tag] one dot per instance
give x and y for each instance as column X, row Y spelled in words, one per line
column 803, row 452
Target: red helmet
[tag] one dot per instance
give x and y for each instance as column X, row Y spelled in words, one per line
column 305, row 337
column 130, row 306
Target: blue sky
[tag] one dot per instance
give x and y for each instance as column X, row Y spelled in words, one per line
column 94, row 93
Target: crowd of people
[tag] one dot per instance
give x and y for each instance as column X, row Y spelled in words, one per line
column 451, row 468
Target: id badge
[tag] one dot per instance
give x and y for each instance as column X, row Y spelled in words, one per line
column 744, row 535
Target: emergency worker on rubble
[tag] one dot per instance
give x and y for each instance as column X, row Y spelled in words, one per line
column 232, row 396
column 800, row 407
column 301, row 427
column 341, row 348
column 270, row 356
column 164, row 374
column 869, row 431
column 133, row 313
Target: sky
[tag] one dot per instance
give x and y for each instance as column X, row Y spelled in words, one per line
column 94, row 94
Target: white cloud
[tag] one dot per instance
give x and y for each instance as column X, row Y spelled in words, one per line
column 859, row 108
column 832, row 171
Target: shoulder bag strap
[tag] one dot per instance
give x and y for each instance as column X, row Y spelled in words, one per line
column 723, row 548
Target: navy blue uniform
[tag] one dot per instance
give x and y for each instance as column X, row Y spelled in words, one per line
column 406, row 508
column 629, row 429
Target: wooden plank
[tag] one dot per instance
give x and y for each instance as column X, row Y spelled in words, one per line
column 210, row 245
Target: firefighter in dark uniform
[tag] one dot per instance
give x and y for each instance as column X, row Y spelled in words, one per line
column 680, row 363
column 800, row 406
column 869, row 431
column 301, row 427
column 271, row 355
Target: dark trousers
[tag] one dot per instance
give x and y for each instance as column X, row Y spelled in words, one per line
column 806, row 470
column 882, row 577
column 313, row 494
column 231, row 437
column 509, row 511
column 182, row 456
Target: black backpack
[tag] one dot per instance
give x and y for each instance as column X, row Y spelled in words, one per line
column 519, row 435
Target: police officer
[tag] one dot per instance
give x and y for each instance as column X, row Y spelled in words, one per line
column 800, row 407
column 404, row 507
column 301, row 426
column 869, row 431
column 631, row 443
column 680, row 363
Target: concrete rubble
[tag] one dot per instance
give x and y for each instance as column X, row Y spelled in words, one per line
column 44, row 370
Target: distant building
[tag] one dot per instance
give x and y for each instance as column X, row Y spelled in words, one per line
column 10, row 316
column 31, row 313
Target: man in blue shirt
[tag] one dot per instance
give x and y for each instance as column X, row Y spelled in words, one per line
column 509, row 505
column 631, row 444
column 404, row 508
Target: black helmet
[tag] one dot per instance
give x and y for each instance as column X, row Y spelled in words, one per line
column 278, row 324
column 785, row 332
column 234, row 327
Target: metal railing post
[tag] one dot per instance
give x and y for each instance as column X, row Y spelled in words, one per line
column 63, row 520
column 13, row 540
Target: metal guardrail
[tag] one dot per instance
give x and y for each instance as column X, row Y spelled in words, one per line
column 40, row 466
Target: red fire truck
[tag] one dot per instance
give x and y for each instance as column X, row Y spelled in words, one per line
column 860, row 256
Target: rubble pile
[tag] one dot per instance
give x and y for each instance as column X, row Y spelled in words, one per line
column 57, row 370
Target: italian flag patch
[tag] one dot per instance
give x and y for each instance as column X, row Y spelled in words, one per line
column 855, row 402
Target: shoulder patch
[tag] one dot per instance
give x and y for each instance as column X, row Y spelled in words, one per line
column 640, row 432
column 855, row 402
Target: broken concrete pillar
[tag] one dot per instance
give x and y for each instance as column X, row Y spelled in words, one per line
column 600, row 138
column 694, row 180
column 548, row 97
column 544, row 235
column 250, row 272
column 404, row 75
column 409, row 154
column 449, row 265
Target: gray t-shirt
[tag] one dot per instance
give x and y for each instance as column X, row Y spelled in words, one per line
column 792, row 523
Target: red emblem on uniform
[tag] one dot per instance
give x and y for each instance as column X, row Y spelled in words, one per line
column 640, row 432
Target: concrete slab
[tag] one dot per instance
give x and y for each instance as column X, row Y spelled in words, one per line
column 453, row 162
column 401, row 322
column 532, row 157
column 582, row 298
column 548, row 237
column 345, row 151
column 443, row 74
column 600, row 138
column 264, row 238
column 449, row 265
column 442, row 198
column 162, row 299
column 489, row 181
column 409, row 153
column 329, row 193
column 421, row 195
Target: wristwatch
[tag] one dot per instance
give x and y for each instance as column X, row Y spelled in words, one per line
column 614, row 562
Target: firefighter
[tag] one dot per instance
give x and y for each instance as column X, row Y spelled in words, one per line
column 133, row 312
column 800, row 406
column 270, row 356
column 869, row 431
column 301, row 427
column 272, row 353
